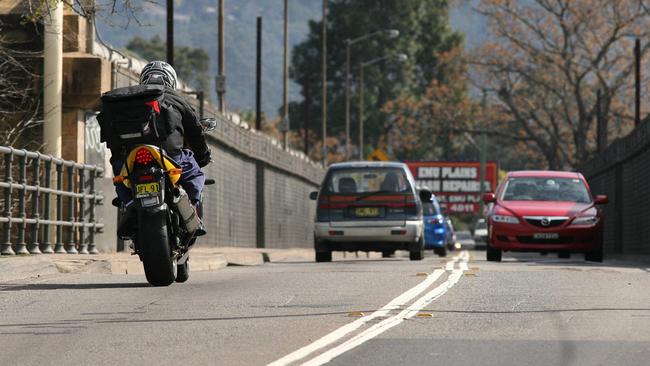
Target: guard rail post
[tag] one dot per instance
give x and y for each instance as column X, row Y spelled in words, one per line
column 33, row 247
column 58, row 247
column 92, row 249
column 6, row 245
column 83, row 246
column 46, row 246
column 21, row 246
column 70, row 246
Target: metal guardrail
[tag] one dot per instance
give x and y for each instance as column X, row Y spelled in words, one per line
column 80, row 221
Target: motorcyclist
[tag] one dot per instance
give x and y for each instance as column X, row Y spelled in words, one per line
column 186, row 132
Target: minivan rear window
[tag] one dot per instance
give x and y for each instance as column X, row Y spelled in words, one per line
column 366, row 180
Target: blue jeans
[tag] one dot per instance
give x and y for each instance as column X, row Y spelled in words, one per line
column 192, row 179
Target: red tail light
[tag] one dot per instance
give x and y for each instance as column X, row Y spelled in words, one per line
column 143, row 157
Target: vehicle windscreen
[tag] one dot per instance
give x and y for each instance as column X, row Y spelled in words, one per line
column 481, row 225
column 546, row 189
column 367, row 180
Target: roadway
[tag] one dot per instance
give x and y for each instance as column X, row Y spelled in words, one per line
column 529, row 309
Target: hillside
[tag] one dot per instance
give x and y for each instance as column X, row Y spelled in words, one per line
column 196, row 26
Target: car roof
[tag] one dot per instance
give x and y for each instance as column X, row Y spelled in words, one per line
column 544, row 174
column 368, row 164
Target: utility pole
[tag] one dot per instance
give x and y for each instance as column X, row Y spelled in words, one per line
column 258, row 78
column 221, row 77
column 637, row 82
column 483, row 168
column 347, row 99
column 307, row 113
column 361, row 106
column 170, row 32
column 483, row 158
column 285, row 84
column 324, row 84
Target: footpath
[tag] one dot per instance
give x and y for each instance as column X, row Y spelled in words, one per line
column 19, row 267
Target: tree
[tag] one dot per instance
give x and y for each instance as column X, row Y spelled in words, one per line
column 20, row 116
column 191, row 64
column 424, row 33
column 547, row 62
column 431, row 126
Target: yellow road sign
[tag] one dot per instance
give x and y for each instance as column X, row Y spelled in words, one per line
column 378, row 155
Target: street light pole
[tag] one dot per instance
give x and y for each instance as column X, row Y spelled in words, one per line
column 392, row 33
column 347, row 99
column 285, row 82
column 221, row 90
column 400, row 58
column 170, row 32
column 324, row 84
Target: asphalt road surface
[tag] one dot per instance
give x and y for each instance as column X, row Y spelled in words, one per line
column 528, row 310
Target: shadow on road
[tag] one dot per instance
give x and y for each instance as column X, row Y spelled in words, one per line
column 85, row 321
column 69, row 286
column 576, row 260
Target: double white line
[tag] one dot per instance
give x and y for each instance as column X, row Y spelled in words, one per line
column 385, row 324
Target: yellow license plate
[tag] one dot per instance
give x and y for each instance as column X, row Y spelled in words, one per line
column 147, row 189
column 367, row 212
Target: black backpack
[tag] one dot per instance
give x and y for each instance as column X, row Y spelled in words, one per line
column 134, row 115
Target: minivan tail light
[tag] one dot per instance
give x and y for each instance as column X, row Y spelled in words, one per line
column 323, row 209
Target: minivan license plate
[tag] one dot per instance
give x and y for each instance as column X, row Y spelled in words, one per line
column 546, row 236
column 366, row 211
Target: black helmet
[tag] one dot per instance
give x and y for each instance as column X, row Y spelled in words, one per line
column 158, row 72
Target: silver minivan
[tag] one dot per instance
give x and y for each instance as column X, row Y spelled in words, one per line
column 369, row 206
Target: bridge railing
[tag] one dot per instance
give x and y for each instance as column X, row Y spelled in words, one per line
column 45, row 196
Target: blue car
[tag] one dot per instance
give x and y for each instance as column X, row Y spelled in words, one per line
column 435, row 228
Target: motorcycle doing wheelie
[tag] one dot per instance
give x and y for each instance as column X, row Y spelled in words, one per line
column 133, row 122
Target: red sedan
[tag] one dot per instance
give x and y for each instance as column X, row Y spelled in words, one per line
column 545, row 211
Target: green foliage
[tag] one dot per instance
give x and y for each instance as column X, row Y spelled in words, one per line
column 424, row 34
column 191, row 64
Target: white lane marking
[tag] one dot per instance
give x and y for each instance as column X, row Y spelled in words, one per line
column 393, row 321
column 341, row 332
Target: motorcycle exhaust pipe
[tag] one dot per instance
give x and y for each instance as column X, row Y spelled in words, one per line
column 189, row 217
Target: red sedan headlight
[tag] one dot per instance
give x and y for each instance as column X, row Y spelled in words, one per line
column 585, row 221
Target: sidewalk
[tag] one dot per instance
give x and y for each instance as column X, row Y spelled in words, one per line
column 201, row 259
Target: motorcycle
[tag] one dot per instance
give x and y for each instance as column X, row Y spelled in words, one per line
column 167, row 222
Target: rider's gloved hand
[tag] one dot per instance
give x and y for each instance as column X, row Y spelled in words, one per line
column 205, row 159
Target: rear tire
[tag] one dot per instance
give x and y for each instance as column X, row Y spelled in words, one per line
column 442, row 252
column 387, row 253
column 323, row 257
column 595, row 255
column 418, row 253
column 183, row 272
column 493, row 254
column 159, row 268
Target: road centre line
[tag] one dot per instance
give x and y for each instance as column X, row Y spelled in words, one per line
column 341, row 332
column 395, row 320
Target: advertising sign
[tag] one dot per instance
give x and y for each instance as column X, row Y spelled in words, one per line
column 457, row 185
